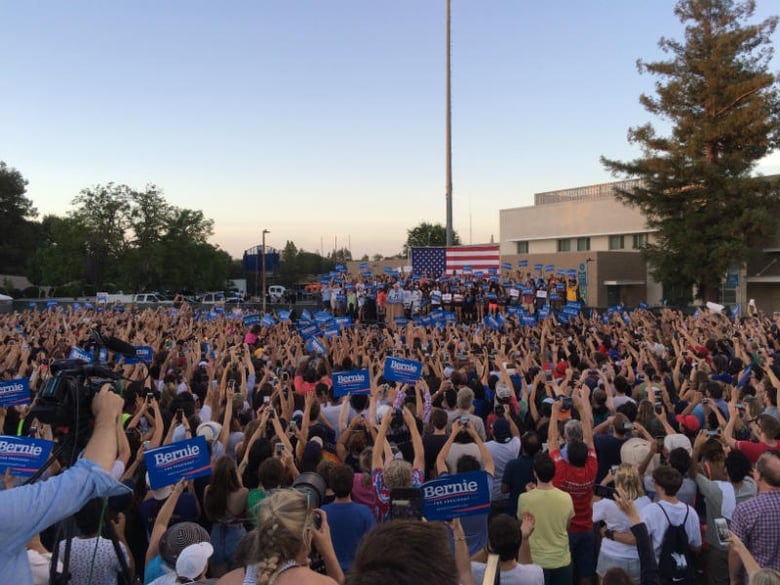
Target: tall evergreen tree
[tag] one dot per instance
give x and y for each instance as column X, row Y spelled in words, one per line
column 698, row 189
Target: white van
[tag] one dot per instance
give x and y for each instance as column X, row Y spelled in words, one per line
column 276, row 293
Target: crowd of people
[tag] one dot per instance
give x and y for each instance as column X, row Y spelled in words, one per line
column 640, row 448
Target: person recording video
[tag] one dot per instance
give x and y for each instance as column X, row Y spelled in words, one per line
column 27, row 510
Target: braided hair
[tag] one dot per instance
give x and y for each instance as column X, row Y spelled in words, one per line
column 282, row 521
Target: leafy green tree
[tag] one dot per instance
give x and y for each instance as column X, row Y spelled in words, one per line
column 17, row 232
column 428, row 234
column 697, row 189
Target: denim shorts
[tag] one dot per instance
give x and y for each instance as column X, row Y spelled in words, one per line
column 225, row 539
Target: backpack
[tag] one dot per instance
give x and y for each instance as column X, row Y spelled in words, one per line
column 675, row 565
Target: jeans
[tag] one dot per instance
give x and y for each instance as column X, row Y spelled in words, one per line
column 225, row 539
column 559, row 576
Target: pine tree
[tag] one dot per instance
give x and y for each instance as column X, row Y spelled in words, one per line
column 698, row 189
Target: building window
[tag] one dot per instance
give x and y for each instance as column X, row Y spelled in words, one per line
column 583, row 244
column 564, row 245
column 616, row 242
column 522, row 247
column 640, row 241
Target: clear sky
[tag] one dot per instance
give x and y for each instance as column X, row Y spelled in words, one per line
column 323, row 121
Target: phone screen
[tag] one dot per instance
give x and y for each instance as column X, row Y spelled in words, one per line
column 406, row 503
column 722, row 528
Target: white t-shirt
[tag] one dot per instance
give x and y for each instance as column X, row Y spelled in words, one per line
column 606, row 510
column 656, row 523
column 520, row 575
column 502, row 454
column 106, row 567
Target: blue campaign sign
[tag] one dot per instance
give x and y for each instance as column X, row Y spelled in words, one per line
column 306, row 315
column 449, row 316
column 438, row 316
column 492, row 270
column 571, row 273
column 340, row 268
column 351, row 382
column 76, row 306
column 76, row 353
column 103, row 355
column 268, row 320
column 15, row 392
column 182, row 459
column 642, row 305
column 322, row 316
column 51, row 304
column 544, row 312
column 331, row 331
column 315, row 345
column 528, row 320
column 363, row 265
column 506, row 266
column 400, row 321
column 455, row 496
column 491, row 323
column 745, row 377
column 560, row 272
column 345, row 321
column 554, row 296
column 308, row 331
column 144, row 353
column 31, row 304
column 23, row 455
column 367, row 274
column 250, row 320
column 549, row 268
column 522, row 263
column 570, row 311
column 538, row 267
column 283, row 315
column 388, row 270
column 402, row 370
column 576, row 305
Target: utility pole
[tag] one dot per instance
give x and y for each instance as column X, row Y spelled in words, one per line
column 263, row 291
column 448, row 194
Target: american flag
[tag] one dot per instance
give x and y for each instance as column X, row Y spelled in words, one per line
column 434, row 261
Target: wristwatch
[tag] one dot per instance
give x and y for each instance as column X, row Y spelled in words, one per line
column 609, row 533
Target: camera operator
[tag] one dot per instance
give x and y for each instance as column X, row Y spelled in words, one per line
column 27, row 510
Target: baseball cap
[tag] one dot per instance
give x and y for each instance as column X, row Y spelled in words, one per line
column 178, row 537
column 502, row 433
column 160, row 493
column 688, row 423
column 503, row 391
column 192, row 560
column 634, row 452
column 672, row 442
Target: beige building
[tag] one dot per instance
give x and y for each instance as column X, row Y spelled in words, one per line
column 589, row 230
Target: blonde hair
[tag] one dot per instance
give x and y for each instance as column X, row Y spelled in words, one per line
column 398, row 474
column 627, row 478
column 765, row 577
column 282, row 521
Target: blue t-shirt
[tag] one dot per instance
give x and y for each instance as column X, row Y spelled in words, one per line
column 348, row 523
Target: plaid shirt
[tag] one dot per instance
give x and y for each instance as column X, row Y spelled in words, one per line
column 757, row 523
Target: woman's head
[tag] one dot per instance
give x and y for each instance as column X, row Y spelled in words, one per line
column 224, row 481
column 627, row 478
column 398, row 474
column 283, row 523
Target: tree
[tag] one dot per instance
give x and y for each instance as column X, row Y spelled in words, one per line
column 17, row 231
column 428, row 234
column 696, row 185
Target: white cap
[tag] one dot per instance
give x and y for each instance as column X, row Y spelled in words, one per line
column 210, row 430
column 160, row 493
column 192, row 561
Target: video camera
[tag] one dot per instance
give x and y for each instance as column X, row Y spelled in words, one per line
column 65, row 400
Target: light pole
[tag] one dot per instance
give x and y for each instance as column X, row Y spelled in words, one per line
column 262, row 292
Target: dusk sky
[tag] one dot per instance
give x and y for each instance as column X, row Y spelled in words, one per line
column 323, row 120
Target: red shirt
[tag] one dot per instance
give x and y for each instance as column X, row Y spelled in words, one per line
column 578, row 483
column 754, row 450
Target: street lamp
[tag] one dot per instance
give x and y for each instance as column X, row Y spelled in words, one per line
column 262, row 292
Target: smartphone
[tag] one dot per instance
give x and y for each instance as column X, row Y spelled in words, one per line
column 293, row 426
column 317, row 520
column 603, row 491
column 613, row 470
column 464, row 420
column 279, row 449
column 266, row 399
column 713, row 433
column 406, row 503
column 147, row 444
column 722, row 529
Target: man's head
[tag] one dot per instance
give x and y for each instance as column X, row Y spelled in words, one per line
column 465, row 398
column 530, row 444
column 504, row 537
column 578, row 453
column 769, row 426
column 468, row 463
column 768, row 470
column 680, row 459
column 439, row 419
column 544, row 467
column 667, row 480
column 341, row 478
column 737, row 466
column 572, row 431
column 621, row 424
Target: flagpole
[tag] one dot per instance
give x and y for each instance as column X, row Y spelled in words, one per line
column 448, row 140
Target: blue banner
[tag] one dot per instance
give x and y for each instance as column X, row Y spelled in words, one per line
column 366, row 274
column 250, row 320
column 331, row 331
column 144, row 353
column 363, row 265
column 538, row 267
column 32, row 304
column 51, row 304
column 322, row 316
column 455, row 496
column 351, row 382
column 23, row 455
column 183, row 459
column 549, row 268
column 283, row 315
column 15, row 392
column 643, row 306
column 491, row 323
column 76, row 353
column 571, row 273
column 268, row 320
column 400, row 321
column 315, row 345
column 528, row 320
column 340, row 268
column 402, row 370
column 522, row 263
column 305, row 315
column 345, row 321
column 506, row 266
column 308, row 331
column 544, row 312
